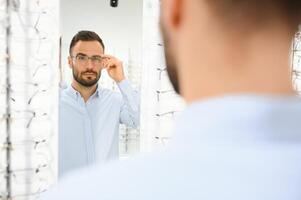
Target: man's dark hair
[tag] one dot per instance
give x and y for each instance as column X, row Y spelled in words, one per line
column 85, row 36
column 258, row 11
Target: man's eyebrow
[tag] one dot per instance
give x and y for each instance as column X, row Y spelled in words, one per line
column 81, row 54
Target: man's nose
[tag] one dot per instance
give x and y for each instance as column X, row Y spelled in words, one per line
column 90, row 64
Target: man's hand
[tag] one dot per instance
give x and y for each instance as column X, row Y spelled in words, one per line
column 114, row 68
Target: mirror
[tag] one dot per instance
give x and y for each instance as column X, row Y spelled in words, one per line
column 103, row 125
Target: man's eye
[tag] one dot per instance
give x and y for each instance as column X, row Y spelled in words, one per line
column 81, row 57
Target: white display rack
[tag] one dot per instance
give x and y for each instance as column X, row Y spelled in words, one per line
column 29, row 49
column 296, row 62
column 160, row 103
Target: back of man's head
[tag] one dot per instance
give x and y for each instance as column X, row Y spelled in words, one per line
column 218, row 47
column 257, row 12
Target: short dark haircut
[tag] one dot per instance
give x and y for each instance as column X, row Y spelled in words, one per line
column 258, row 11
column 85, row 36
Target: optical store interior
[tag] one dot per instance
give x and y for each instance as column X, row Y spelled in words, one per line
column 150, row 99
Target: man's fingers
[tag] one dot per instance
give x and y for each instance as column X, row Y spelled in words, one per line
column 110, row 58
column 105, row 56
column 112, row 63
column 108, row 63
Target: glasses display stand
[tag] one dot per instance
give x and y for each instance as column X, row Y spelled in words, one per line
column 29, row 70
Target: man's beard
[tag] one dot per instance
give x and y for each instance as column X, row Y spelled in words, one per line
column 171, row 65
column 78, row 77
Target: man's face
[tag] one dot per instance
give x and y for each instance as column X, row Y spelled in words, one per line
column 86, row 72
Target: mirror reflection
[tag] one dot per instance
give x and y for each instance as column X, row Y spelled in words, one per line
column 99, row 105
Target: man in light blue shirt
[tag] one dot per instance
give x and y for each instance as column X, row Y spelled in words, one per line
column 240, row 137
column 89, row 114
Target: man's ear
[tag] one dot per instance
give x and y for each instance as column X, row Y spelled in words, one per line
column 70, row 62
column 171, row 13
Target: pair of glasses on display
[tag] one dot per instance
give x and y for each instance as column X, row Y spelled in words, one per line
column 23, row 95
column 26, row 119
column 28, row 30
column 296, row 78
column 161, row 70
column 27, row 183
column 163, row 92
column 166, row 119
column 30, row 174
column 168, row 115
column 22, row 159
column 163, row 140
column 126, row 139
column 34, row 69
column 129, row 137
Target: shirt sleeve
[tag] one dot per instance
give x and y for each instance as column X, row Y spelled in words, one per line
column 130, row 108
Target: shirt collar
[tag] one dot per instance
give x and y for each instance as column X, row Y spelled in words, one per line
column 242, row 119
column 76, row 95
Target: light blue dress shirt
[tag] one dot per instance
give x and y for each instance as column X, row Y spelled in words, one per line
column 89, row 131
column 230, row 148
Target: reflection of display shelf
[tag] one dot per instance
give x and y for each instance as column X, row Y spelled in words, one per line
column 129, row 137
column 296, row 62
column 29, row 97
column 158, row 97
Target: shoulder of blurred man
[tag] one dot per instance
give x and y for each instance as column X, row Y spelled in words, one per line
column 184, row 174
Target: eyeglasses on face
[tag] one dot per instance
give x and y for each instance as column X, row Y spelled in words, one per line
column 84, row 59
